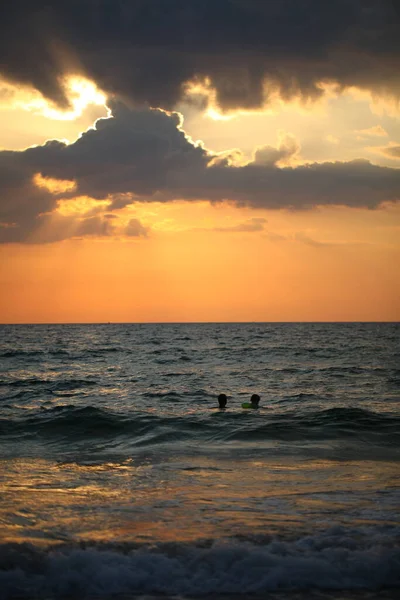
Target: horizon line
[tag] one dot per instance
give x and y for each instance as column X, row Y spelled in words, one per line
column 196, row 322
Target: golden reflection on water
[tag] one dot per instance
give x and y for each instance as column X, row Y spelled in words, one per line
column 137, row 500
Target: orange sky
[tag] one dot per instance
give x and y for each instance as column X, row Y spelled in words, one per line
column 193, row 261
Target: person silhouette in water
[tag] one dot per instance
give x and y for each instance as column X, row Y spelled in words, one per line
column 255, row 399
column 222, row 400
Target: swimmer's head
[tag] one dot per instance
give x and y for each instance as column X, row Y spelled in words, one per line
column 255, row 399
column 222, row 400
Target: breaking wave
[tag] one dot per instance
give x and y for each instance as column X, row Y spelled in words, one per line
column 335, row 560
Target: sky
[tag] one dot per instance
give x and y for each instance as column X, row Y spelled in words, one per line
column 199, row 160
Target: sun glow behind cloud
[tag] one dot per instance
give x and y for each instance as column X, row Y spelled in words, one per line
column 27, row 118
column 202, row 94
column 55, row 186
column 81, row 205
column 80, row 92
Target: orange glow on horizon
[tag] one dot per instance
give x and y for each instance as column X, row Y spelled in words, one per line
column 297, row 267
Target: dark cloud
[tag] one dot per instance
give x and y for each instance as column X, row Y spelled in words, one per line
column 132, row 153
column 144, row 155
column 21, row 202
column 146, row 50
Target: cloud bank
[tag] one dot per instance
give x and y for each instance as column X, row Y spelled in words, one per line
column 144, row 155
column 145, row 51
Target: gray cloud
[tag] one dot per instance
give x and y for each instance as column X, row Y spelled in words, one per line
column 272, row 236
column 136, row 229
column 146, row 50
column 133, row 153
column 21, row 202
column 287, row 150
column 144, row 155
column 98, row 226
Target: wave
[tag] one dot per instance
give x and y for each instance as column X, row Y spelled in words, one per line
column 203, row 394
column 106, row 349
column 355, row 370
column 90, row 422
column 48, row 353
column 21, row 353
column 72, row 384
column 333, row 560
column 52, row 384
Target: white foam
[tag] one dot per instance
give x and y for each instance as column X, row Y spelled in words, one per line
column 337, row 559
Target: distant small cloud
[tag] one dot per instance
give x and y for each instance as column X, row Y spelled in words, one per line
column 286, row 154
column 250, row 226
column 376, row 131
column 228, row 158
column 275, row 237
column 97, row 226
column 297, row 236
column 305, row 239
column 392, row 151
column 136, row 229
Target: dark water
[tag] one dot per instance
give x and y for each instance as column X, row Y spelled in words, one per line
column 118, row 474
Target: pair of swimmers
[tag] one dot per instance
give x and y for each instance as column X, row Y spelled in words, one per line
column 254, row 400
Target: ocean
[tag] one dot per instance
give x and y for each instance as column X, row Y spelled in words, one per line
column 121, row 478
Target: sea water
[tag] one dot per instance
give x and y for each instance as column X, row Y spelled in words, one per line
column 120, row 476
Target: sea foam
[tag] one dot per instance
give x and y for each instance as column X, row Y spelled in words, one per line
column 335, row 560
